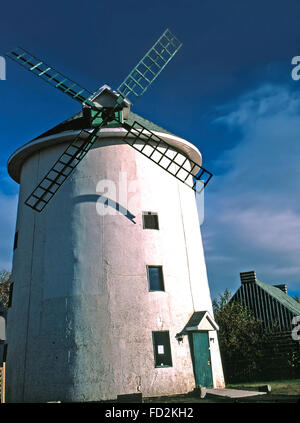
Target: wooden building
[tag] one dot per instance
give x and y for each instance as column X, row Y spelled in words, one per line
column 269, row 303
column 277, row 312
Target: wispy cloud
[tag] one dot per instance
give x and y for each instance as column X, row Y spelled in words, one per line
column 253, row 209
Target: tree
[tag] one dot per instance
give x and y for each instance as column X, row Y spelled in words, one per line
column 240, row 336
column 5, row 280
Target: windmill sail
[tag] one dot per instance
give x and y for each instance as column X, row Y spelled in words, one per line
column 140, row 138
column 166, row 156
column 49, row 74
column 150, row 66
column 62, row 169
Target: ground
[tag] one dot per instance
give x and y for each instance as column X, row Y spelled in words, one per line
column 280, row 387
column 284, row 391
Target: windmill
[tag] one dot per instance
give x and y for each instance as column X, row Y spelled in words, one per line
column 133, row 86
column 103, row 307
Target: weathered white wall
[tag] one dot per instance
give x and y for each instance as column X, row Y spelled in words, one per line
column 80, row 326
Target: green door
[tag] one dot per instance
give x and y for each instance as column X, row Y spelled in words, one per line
column 201, row 359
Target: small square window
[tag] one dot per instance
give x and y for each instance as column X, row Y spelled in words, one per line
column 155, row 278
column 150, row 220
column 4, row 353
column 10, row 295
column 162, row 349
column 16, row 240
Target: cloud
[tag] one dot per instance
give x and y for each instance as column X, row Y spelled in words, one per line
column 265, row 101
column 253, row 208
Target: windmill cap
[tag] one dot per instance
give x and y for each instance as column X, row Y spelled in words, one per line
column 105, row 91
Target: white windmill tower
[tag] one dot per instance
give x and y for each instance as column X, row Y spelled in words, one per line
column 110, row 296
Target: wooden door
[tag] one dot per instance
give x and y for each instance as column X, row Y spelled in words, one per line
column 202, row 359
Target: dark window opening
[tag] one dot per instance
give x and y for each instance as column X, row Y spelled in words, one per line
column 150, row 220
column 4, row 353
column 16, row 240
column 155, row 278
column 11, row 288
column 162, row 349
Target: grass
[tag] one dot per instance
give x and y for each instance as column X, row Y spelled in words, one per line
column 278, row 387
column 281, row 391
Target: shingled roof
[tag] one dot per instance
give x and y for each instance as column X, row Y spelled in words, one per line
column 78, row 121
column 287, row 301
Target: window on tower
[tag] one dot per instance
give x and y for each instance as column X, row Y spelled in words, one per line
column 10, row 294
column 16, row 240
column 155, row 278
column 162, row 349
column 150, row 220
column 4, row 353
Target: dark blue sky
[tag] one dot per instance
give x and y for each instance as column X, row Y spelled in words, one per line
column 229, row 91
